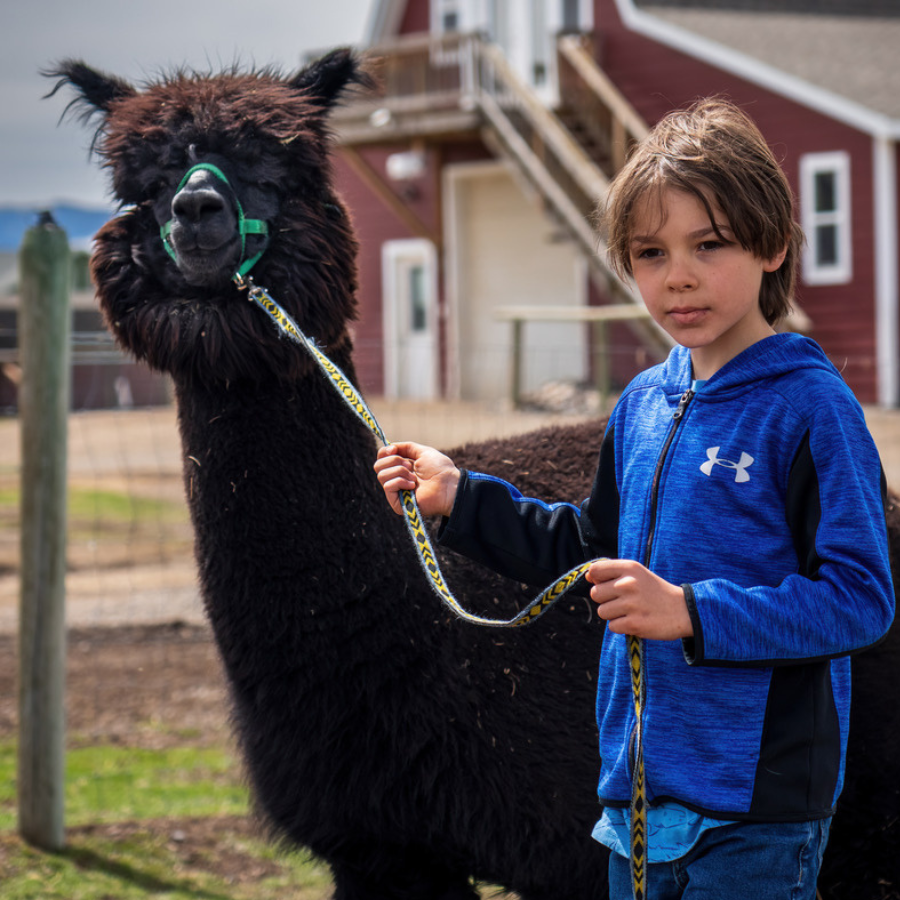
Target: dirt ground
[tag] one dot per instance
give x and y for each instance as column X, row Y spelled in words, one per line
column 154, row 686
column 142, row 578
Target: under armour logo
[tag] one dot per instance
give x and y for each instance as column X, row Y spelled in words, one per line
column 740, row 468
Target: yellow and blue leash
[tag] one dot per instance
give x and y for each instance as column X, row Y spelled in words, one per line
column 429, row 564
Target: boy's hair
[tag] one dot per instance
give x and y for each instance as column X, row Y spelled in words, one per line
column 716, row 153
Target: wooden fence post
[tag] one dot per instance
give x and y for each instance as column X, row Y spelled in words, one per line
column 44, row 339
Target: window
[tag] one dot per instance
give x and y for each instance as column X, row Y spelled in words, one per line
column 825, row 216
column 417, row 299
column 571, row 15
column 445, row 16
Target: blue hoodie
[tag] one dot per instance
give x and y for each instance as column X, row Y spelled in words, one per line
column 762, row 495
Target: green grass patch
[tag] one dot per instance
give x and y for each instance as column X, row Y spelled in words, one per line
column 114, row 508
column 145, row 823
column 162, row 824
column 114, row 784
column 139, row 863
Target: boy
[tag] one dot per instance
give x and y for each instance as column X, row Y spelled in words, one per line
column 737, row 523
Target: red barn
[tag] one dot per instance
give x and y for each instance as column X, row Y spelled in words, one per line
column 474, row 173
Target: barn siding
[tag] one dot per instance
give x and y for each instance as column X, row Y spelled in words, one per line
column 416, row 18
column 656, row 79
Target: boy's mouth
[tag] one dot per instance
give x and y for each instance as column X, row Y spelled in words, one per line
column 687, row 315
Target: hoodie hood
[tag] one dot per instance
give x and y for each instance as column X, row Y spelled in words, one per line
column 771, row 357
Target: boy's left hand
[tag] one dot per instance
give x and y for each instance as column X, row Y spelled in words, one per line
column 633, row 600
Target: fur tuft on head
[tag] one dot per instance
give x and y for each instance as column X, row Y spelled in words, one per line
column 98, row 90
column 326, row 79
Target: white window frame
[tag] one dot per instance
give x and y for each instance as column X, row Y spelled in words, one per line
column 440, row 7
column 836, row 163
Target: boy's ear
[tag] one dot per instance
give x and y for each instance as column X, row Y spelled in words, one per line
column 774, row 262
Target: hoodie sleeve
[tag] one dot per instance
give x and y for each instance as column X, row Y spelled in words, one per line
column 529, row 540
column 840, row 600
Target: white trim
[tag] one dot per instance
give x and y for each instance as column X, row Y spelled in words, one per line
column 887, row 289
column 836, row 163
column 779, row 82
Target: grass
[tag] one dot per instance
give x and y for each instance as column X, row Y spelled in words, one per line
column 150, row 823
column 86, row 507
column 141, row 864
column 111, row 784
column 105, row 527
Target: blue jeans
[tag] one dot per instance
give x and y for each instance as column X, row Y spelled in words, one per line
column 744, row 861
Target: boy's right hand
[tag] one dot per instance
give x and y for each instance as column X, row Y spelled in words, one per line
column 415, row 467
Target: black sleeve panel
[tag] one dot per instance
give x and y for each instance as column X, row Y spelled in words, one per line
column 803, row 508
column 529, row 540
column 601, row 510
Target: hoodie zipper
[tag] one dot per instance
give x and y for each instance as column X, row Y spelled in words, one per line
column 677, row 416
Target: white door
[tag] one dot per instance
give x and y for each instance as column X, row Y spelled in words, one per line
column 409, row 306
column 505, row 251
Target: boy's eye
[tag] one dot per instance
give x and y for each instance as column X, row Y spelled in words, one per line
column 648, row 253
column 712, row 245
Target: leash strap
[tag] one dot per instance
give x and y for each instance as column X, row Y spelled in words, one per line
column 412, row 516
column 429, row 564
column 638, row 830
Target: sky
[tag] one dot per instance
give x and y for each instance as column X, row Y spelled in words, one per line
column 43, row 160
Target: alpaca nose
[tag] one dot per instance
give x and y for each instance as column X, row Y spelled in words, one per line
column 196, row 204
column 203, row 216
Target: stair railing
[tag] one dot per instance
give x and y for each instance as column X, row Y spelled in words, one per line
column 612, row 122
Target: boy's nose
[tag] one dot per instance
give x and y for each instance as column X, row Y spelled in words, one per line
column 680, row 276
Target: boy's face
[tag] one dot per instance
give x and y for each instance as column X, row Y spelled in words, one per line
column 702, row 290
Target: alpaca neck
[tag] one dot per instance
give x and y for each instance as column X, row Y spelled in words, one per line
column 280, row 483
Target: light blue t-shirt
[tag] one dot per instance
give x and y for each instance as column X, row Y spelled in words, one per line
column 672, row 829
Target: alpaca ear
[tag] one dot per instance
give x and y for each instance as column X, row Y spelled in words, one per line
column 327, row 78
column 98, row 91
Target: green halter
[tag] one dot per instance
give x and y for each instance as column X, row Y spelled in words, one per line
column 245, row 226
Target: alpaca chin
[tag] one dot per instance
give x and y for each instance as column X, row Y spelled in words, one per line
column 209, row 268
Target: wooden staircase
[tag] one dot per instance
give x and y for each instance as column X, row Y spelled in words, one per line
column 434, row 84
column 569, row 156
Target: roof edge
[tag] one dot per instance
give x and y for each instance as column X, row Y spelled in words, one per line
column 776, row 80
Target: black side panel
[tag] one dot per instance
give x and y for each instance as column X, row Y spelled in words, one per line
column 799, row 759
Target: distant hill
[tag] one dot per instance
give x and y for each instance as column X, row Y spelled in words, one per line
column 80, row 224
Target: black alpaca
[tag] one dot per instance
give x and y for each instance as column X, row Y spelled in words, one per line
column 412, row 752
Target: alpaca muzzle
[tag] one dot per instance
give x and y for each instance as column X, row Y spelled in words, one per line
column 207, row 221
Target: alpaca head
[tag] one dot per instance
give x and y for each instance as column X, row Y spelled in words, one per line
column 221, row 174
